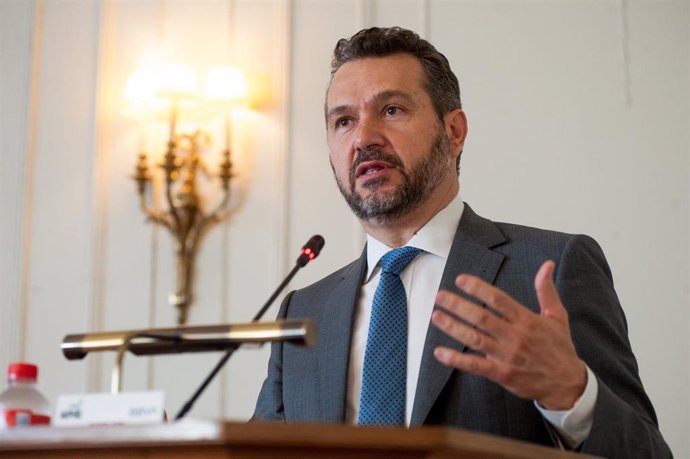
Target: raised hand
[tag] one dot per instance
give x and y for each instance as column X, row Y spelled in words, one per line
column 531, row 355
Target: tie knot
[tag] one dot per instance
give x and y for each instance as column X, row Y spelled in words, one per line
column 396, row 260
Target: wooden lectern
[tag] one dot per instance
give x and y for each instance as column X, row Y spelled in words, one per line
column 200, row 439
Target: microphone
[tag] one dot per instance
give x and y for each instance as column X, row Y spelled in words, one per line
column 309, row 251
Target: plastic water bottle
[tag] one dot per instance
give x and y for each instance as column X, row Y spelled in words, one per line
column 22, row 404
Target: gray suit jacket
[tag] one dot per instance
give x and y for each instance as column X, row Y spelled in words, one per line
column 309, row 384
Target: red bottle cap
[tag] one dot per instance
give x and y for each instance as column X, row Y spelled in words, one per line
column 22, row 370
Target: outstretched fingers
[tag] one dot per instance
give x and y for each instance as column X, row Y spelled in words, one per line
column 469, row 363
column 463, row 332
column 486, row 330
column 496, row 299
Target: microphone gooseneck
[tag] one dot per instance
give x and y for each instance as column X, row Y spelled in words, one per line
column 309, row 251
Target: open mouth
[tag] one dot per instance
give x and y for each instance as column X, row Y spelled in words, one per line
column 372, row 168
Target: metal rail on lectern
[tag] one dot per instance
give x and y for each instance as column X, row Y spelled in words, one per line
column 177, row 340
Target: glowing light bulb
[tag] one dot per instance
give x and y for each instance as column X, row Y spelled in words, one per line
column 226, row 84
column 177, row 81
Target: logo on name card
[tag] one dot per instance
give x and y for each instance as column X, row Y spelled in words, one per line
column 73, row 411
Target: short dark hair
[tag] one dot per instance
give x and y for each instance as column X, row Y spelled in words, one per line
column 439, row 80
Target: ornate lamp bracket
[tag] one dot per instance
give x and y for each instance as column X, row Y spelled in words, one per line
column 184, row 216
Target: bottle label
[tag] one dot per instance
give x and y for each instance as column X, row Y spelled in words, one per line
column 18, row 418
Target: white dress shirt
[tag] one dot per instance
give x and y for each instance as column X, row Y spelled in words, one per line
column 421, row 279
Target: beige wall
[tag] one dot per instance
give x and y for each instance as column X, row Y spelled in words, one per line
column 579, row 121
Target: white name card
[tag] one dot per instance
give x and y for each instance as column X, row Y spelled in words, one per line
column 124, row 408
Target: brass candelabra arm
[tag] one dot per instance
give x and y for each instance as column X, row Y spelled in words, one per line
column 171, row 167
column 219, row 213
column 153, row 215
column 141, row 174
column 143, row 178
column 225, row 174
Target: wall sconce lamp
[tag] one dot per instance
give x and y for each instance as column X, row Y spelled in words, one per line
column 184, row 215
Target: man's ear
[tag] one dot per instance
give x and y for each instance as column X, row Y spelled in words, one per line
column 456, row 129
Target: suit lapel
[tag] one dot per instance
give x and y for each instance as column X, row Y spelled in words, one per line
column 334, row 345
column 470, row 253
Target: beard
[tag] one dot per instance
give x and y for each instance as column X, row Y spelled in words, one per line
column 417, row 185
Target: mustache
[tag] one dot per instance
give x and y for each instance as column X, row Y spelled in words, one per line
column 375, row 155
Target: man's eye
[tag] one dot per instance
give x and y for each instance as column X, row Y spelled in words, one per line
column 392, row 110
column 342, row 122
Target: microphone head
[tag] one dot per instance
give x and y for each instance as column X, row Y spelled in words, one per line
column 310, row 250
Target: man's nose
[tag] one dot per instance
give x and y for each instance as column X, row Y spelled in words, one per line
column 370, row 134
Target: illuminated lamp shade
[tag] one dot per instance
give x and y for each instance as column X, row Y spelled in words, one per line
column 141, row 87
column 226, row 84
column 177, row 81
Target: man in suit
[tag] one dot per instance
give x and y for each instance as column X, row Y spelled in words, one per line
column 509, row 330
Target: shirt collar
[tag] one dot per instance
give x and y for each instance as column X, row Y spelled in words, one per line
column 436, row 237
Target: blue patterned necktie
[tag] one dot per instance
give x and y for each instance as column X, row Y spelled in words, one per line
column 384, row 375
